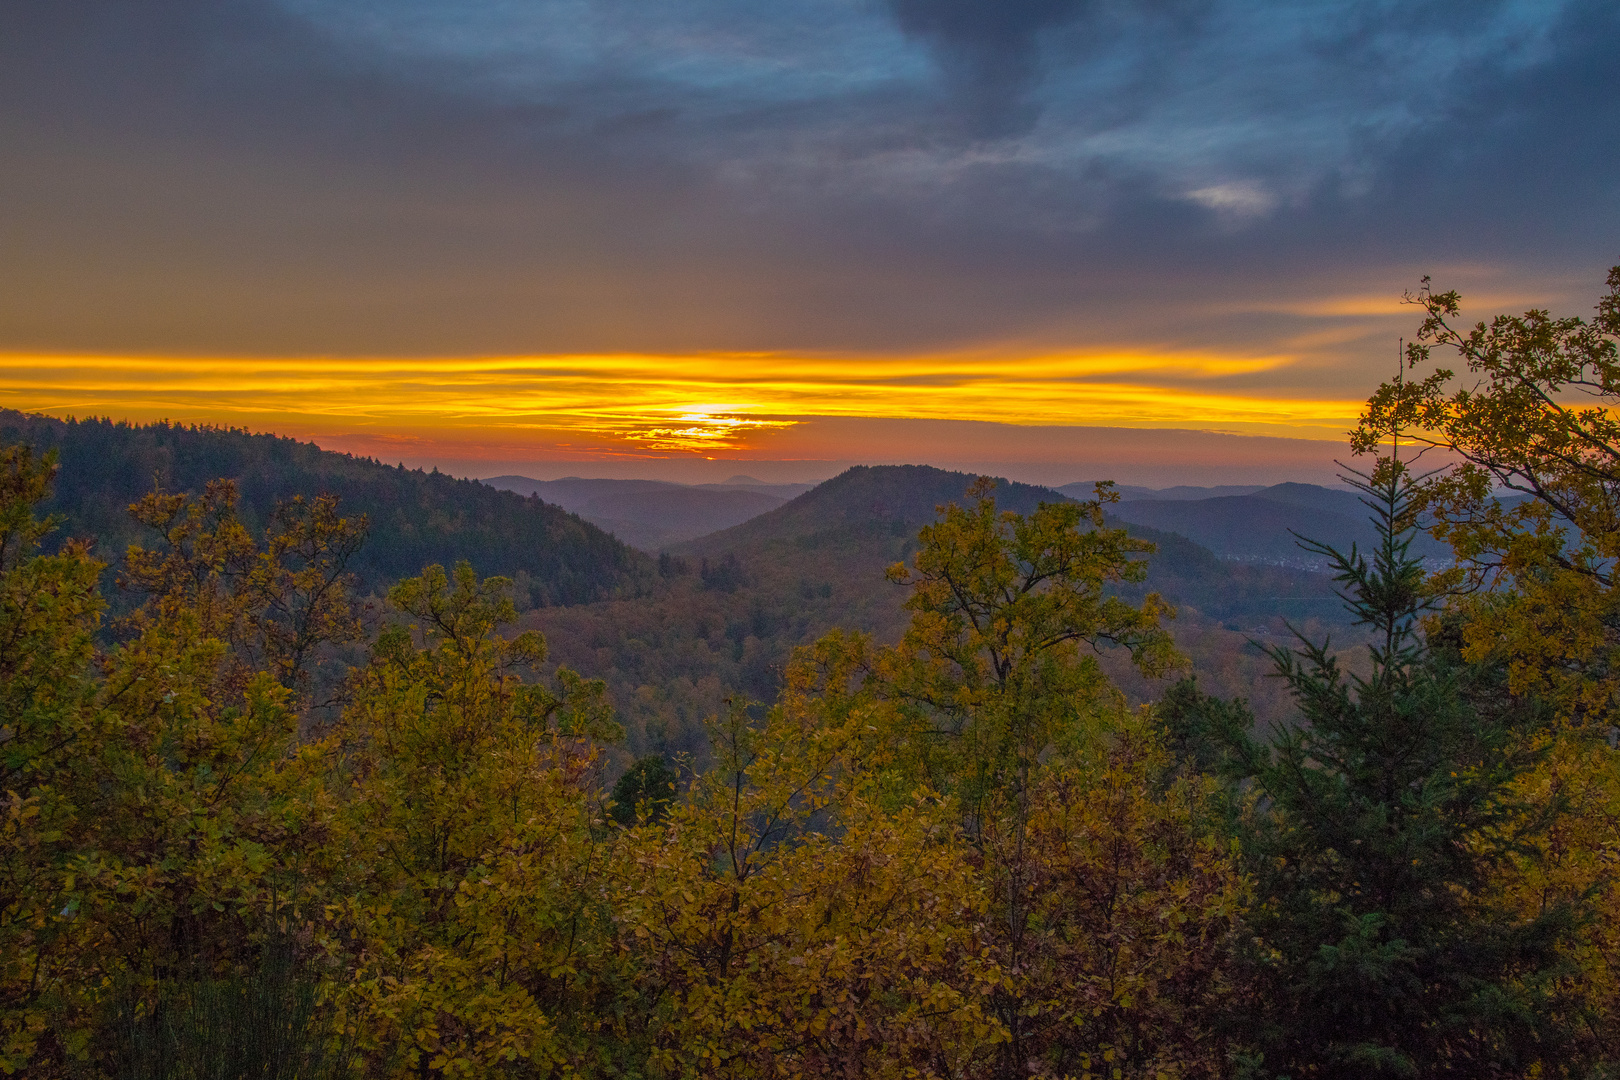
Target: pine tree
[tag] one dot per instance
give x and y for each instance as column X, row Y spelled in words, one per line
column 647, row 786
column 1374, row 826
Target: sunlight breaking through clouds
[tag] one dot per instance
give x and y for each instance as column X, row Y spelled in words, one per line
column 661, row 406
column 696, row 432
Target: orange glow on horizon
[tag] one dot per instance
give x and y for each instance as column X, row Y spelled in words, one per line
column 658, row 406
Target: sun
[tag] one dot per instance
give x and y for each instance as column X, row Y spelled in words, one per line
column 701, row 429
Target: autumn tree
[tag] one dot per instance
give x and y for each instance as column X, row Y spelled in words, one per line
column 1111, row 905
column 998, row 660
column 1530, row 417
column 1567, row 828
column 50, row 725
column 207, row 860
column 466, row 843
column 277, row 605
column 786, row 919
column 1130, row 907
column 155, row 839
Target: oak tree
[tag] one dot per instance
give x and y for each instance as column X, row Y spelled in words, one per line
column 1532, row 507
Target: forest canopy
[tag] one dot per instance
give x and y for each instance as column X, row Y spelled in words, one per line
column 414, row 518
column 246, row 831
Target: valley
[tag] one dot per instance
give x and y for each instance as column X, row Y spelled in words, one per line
column 653, row 514
column 682, row 596
column 729, row 607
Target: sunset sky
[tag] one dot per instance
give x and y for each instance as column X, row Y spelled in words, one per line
column 1161, row 240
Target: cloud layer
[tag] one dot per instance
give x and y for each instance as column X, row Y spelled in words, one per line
column 807, row 177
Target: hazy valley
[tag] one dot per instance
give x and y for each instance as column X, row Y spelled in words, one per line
column 677, row 625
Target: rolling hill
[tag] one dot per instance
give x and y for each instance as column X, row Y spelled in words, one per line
column 855, row 511
column 416, row 517
column 733, row 604
column 649, row 514
column 866, row 500
column 654, row 514
column 1082, row 489
column 1261, row 525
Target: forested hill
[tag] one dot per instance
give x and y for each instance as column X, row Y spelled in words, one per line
column 733, row 605
column 867, row 500
column 861, row 508
column 653, row 514
column 416, row 517
column 1263, row 525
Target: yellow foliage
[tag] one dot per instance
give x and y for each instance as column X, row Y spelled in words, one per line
column 467, row 850
column 1577, row 859
column 1129, row 912
column 821, row 902
column 782, row 924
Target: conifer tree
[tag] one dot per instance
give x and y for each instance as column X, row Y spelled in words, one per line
column 1375, row 826
column 648, row 785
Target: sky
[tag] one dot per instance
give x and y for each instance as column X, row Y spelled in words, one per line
column 1165, row 240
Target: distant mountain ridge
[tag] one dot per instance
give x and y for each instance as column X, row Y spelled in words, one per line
column 1246, row 523
column 1235, row 521
column 733, row 604
column 654, row 514
column 1083, row 489
column 416, row 517
column 1266, row 524
column 877, row 509
column 866, row 498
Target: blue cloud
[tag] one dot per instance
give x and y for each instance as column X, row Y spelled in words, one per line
column 807, row 173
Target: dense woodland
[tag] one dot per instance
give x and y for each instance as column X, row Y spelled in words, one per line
column 954, row 848
column 671, row 639
column 413, row 518
column 731, row 607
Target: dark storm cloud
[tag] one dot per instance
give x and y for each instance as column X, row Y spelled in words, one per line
column 993, row 52
column 496, row 176
column 1531, row 149
column 992, row 49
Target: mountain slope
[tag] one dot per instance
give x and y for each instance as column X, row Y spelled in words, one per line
column 748, row 483
column 734, row 604
column 1265, row 526
column 1315, row 497
column 652, row 520
column 1131, row 492
column 866, row 500
column 871, row 514
column 650, row 514
column 1248, row 526
column 415, row 517
column 573, row 492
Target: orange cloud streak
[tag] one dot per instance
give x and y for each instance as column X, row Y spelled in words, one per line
column 658, row 405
